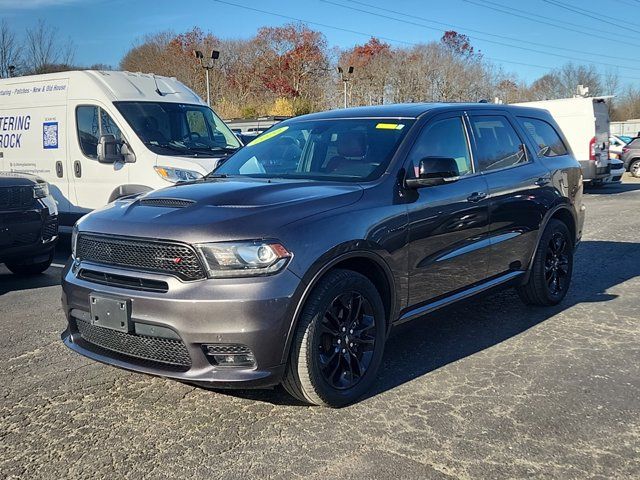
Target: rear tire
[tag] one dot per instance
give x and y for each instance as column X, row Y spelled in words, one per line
column 552, row 267
column 634, row 168
column 339, row 341
column 30, row 269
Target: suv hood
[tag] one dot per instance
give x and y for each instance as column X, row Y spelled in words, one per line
column 221, row 209
column 16, row 179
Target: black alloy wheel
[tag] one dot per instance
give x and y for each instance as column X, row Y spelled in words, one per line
column 347, row 340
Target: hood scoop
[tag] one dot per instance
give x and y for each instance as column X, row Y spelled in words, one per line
column 166, row 202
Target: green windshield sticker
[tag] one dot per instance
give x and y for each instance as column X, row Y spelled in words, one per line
column 267, row 136
column 390, row 126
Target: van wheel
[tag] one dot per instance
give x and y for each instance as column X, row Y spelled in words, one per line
column 30, row 269
column 552, row 267
column 634, row 168
column 338, row 345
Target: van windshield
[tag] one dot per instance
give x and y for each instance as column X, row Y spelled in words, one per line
column 179, row 129
column 348, row 150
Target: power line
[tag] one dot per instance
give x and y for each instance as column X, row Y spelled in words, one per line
column 404, row 42
column 466, row 29
column 515, row 12
column 587, row 13
column 484, row 40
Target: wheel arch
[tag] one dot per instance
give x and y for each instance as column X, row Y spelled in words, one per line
column 366, row 262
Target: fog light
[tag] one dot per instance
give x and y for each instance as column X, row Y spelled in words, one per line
column 229, row 355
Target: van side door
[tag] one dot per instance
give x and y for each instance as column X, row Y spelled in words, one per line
column 447, row 223
column 93, row 182
column 520, row 189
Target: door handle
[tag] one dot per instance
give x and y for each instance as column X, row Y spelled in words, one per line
column 59, row 170
column 476, row 197
column 77, row 168
column 542, row 181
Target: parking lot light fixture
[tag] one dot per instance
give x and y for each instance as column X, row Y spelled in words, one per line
column 206, row 62
column 346, row 78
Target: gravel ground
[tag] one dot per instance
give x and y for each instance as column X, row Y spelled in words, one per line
column 489, row 389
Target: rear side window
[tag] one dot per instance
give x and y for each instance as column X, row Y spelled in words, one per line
column 498, row 145
column 92, row 122
column 549, row 142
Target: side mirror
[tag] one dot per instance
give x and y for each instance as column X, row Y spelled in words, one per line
column 434, row 171
column 109, row 149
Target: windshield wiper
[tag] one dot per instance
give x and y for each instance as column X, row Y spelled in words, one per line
column 168, row 146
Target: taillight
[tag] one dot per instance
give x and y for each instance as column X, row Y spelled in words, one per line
column 625, row 149
column 592, row 149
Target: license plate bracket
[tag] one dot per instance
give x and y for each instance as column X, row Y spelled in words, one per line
column 110, row 312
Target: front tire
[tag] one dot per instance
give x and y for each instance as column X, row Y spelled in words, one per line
column 552, row 267
column 634, row 168
column 31, row 268
column 339, row 341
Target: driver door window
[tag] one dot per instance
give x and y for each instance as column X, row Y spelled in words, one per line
column 92, row 122
column 443, row 138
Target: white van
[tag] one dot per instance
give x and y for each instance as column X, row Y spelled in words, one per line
column 99, row 135
column 585, row 123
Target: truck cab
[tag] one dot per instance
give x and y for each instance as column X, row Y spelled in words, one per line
column 96, row 136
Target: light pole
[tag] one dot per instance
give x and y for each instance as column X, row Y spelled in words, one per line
column 207, row 64
column 345, row 77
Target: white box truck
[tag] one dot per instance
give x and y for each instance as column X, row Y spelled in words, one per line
column 99, row 135
column 585, row 123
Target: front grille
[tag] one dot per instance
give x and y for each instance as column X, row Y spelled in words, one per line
column 26, row 238
column 155, row 256
column 166, row 202
column 14, row 198
column 50, row 230
column 154, row 351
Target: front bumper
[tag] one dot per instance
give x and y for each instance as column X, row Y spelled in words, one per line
column 27, row 236
column 254, row 312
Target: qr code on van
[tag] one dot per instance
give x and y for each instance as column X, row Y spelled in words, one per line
column 50, row 135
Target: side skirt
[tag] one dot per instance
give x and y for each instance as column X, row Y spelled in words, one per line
column 470, row 292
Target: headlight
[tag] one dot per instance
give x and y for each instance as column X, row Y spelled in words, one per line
column 40, row 190
column 74, row 240
column 174, row 175
column 243, row 259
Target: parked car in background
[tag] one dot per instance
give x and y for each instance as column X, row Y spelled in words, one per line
column 99, row 135
column 28, row 223
column 616, row 171
column 292, row 261
column 585, row 124
column 616, row 143
column 631, row 157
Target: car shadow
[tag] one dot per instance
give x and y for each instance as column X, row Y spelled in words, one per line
column 612, row 189
column 52, row 276
column 448, row 335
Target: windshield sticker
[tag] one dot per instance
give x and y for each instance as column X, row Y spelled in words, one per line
column 267, row 136
column 390, row 126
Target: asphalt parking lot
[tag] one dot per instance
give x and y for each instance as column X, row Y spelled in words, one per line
column 490, row 389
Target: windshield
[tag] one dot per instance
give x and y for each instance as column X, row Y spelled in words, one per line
column 340, row 150
column 179, row 128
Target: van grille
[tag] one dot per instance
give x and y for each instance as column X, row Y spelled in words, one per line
column 155, row 256
column 168, row 352
column 14, row 198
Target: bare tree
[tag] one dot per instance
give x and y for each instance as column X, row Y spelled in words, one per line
column 10, row 50
column 44, row 49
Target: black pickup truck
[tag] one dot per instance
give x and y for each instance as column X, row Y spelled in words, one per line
column 28, row 223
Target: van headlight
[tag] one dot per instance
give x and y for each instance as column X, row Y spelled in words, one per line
column 243, row 259
column 74, row 240
column 174, row 175
column 40, row 190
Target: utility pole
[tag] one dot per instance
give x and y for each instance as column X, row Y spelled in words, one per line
column 207, row 64
column 346, row 78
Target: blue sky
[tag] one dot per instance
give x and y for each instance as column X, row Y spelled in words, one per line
column 608, row 31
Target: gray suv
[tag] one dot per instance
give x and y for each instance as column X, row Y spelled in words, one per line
column 293, row 260
column 631, row 157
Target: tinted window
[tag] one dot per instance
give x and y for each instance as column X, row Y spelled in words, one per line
column 498, row 144
column 93, row 122
column 443, row 138
column 338, row 150
column 549, row 142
